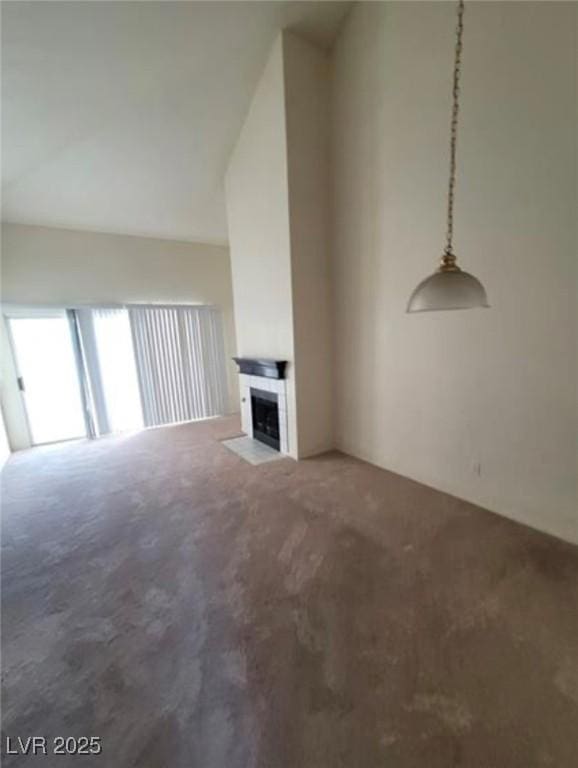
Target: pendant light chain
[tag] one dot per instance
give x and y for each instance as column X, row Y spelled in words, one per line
column 449, row 259
column 449, row 287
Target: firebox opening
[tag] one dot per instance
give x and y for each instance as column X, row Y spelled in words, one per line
column 265, row 417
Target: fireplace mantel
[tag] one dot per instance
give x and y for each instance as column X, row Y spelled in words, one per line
column 259, row 366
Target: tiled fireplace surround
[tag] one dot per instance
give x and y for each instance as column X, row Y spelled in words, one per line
column 248, row 381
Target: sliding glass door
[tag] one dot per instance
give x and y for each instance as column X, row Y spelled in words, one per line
column 117, row 370
column 47, row 377
column 99, row 370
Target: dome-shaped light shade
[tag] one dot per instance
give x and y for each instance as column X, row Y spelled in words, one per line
column 448, row 290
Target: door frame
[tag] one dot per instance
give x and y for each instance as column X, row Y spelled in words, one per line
column 12, row 348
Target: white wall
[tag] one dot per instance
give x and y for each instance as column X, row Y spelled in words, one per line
column 277, row 187
column 42, row 265
column 307, row 120
column 480, row 404
column 258, row 218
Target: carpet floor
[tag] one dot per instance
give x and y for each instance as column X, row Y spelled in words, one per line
column 192, row 610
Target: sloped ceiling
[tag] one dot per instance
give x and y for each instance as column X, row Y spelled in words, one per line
column 121, row 116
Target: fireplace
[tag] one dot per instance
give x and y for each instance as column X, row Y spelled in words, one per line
column 263, row 390
column 265, row 412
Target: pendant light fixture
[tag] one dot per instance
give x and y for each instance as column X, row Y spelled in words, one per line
column 449, row 287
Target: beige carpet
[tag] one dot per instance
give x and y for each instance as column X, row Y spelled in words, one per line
column 193, row 610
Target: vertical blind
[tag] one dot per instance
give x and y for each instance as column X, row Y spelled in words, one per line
column 180, row 362
column 148, row 365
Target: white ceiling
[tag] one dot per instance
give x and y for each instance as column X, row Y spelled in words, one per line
column 121, row 116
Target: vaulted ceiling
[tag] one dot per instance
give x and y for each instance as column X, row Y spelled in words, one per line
column 121, row 116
